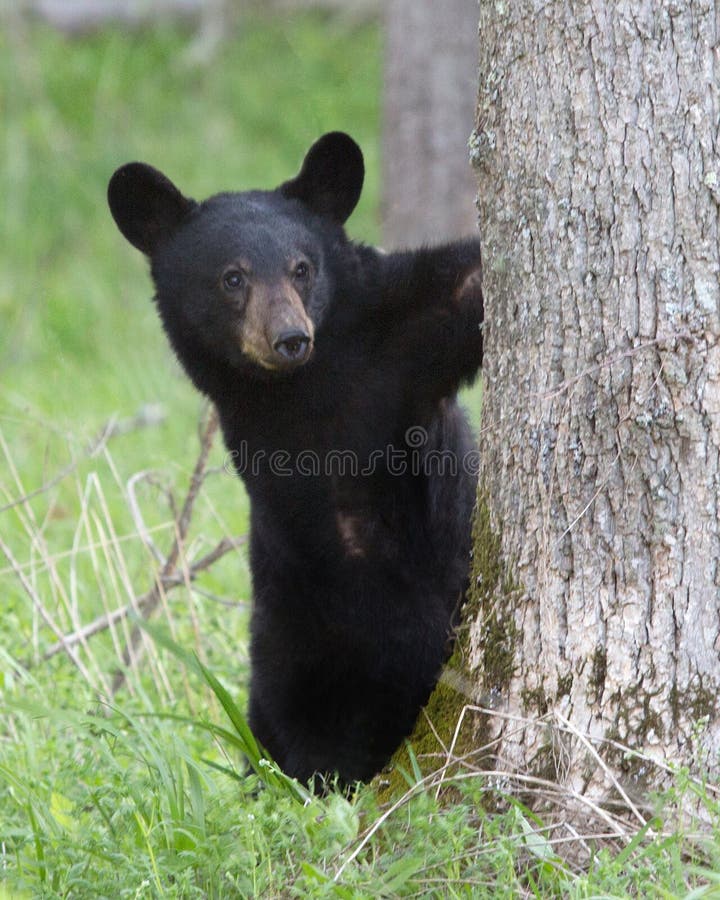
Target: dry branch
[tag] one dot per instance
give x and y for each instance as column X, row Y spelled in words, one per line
column 149, row 600
column 173, row 570
column 148, row 415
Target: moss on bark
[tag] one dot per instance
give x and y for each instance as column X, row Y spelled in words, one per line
column 492, row 596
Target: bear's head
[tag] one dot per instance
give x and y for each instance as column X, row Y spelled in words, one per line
column 243, row 279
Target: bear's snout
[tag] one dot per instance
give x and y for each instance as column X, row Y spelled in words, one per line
column 293, row 346
column 276, row 331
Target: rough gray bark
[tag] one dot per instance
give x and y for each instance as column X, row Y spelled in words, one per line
column 598, row 162
column 430, row 92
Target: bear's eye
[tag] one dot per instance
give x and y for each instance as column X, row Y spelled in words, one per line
column 301, row 271
column 233, row 279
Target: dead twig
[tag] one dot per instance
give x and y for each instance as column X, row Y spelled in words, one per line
column 148, row 416
column 172, row 570
column 142, row 603
column 44, row 614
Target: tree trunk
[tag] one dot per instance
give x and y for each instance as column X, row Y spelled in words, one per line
column 430, row 90
column 596, row 581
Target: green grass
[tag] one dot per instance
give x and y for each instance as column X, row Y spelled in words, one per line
column 146, row 794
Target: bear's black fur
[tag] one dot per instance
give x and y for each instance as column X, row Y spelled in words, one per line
column 333, row 367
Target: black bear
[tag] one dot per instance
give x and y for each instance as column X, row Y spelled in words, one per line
column 333, row 367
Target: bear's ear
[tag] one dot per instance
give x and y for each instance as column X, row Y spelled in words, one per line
column 146, row 205
column 331, row 177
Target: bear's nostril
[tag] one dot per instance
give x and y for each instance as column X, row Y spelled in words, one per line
column 293, row 345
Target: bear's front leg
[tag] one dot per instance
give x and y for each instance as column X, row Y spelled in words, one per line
column 416, row 281
column 441, row 349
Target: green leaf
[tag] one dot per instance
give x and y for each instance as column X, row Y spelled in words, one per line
column 400, row 872
column 243, row 738
column 61, row 810
column 535, row 842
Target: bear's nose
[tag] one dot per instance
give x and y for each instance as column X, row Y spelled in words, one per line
column 293, row 346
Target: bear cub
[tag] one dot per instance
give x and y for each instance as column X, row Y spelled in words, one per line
column 333, row 367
